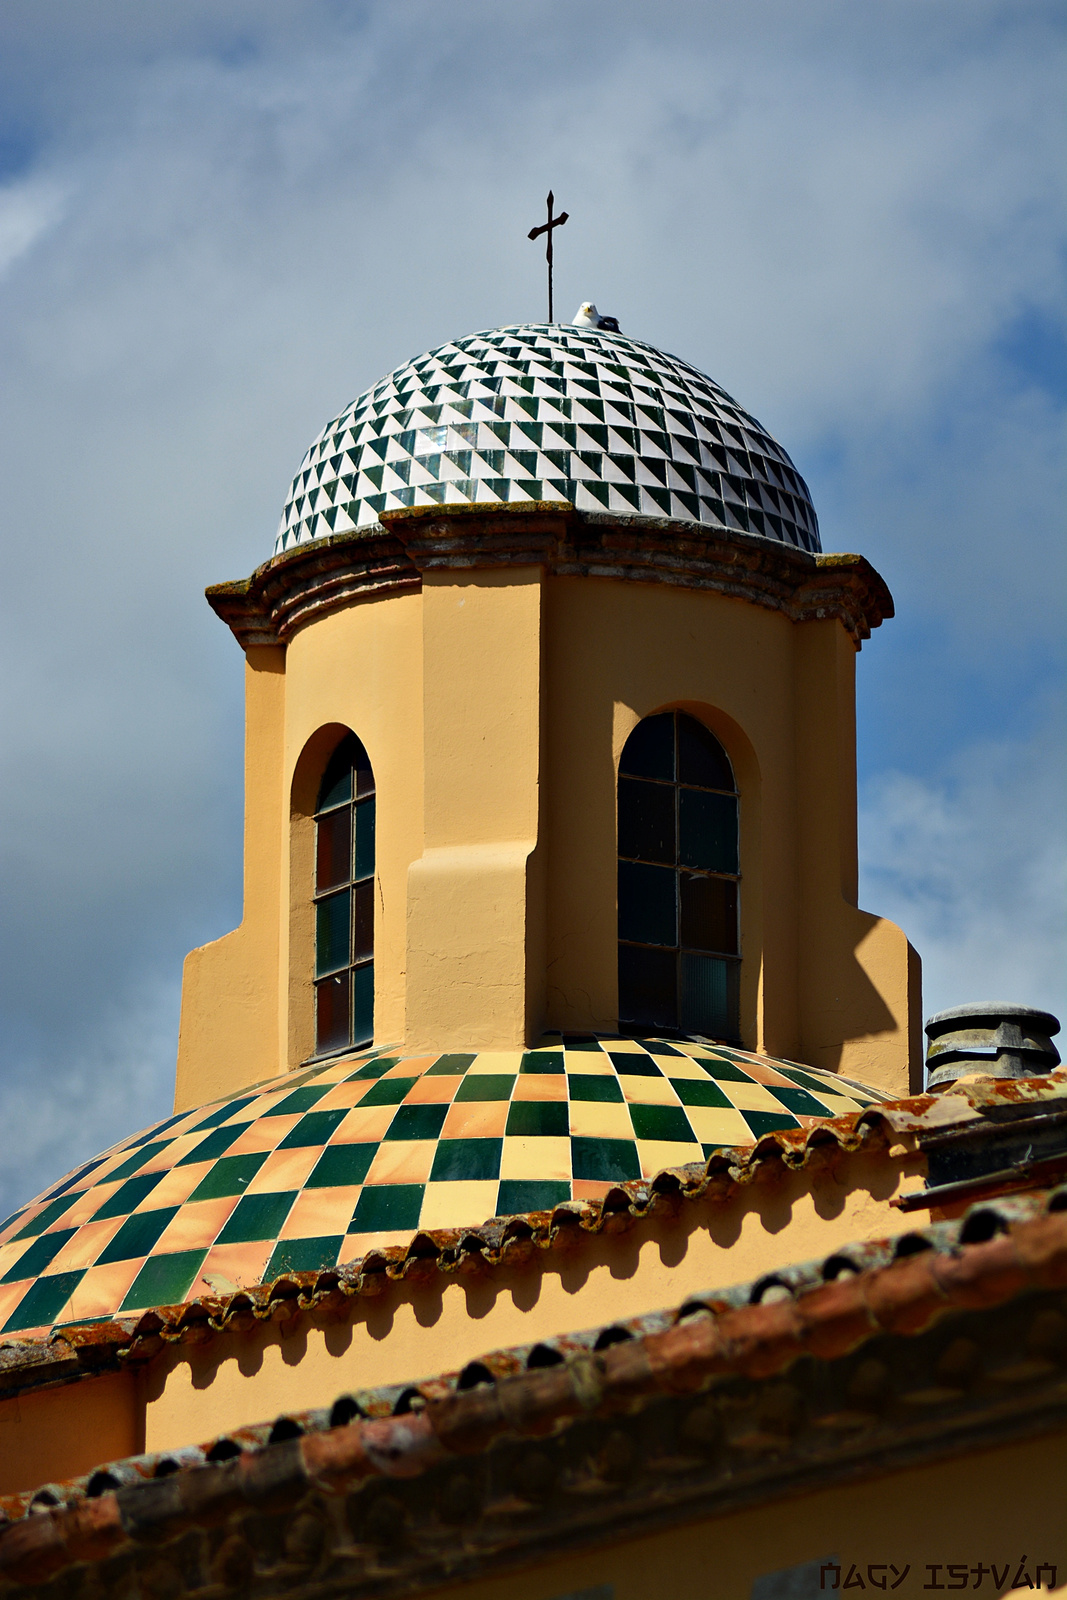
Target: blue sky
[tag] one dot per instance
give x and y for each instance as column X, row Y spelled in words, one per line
column 217, row 227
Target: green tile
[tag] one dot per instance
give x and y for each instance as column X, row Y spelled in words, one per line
column 43, row 1301
column 137, row 1235
column 214, row 1145
column 592, row 1086
column 450, row 1066
column 577, row 1041
column 534, row 1117
column 806, row 1081
column 257, row 1216
column 542, row 1061
column 530, row 1194
column 466, row 1159
column 41, row 1253
column 164, row 1280
column 300, row 1100
column 223, row 1112
column 128, row 1196
column 697, row 1092
column 44, row 1219
column 658, row 1047
column 800, row 1102
column 486, row 1086
column 629, row 1064
column 341, row 1166
column 418, row 1122
column 724, row 1071
column 610, row 1160
column 314, row 1128
column 373, row 1069
column 662, row 1122
column 303, row 1255
column 387, row 1092
column 761, row 1122
column 386, row 1207
column 136, row 1161
column 231, row 1175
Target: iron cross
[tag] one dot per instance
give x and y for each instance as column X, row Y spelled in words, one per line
column 547, row 227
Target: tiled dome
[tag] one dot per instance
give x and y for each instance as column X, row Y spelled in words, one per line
column 310, row 1170
column 548, row 412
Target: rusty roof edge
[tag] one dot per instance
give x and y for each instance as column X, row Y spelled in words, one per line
column 700, row 1346
column 83, row 1350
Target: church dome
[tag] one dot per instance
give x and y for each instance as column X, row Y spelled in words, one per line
column 549, row 412
column 311, row 1170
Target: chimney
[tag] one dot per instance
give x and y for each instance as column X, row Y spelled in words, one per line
column 993, row 1041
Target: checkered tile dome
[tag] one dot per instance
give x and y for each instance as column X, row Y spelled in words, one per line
column 311, row 1170
column 541, row 412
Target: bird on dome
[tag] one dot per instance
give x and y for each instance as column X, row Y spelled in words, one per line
column 589, row 317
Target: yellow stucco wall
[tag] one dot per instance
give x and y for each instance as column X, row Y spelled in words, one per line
column 51, row 1434
column 990, row 1506
column 494, row 706
column 194, row 1392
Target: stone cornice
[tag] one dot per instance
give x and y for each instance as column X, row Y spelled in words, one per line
column 303, row 584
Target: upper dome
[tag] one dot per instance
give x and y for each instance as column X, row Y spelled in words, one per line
column 311, row 1170
column 546, row 411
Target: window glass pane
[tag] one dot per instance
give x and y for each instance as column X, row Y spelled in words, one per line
column 364, row 775
column 708, row 998
column 333, row 849
column 331, row 1007
column 708, row 825
column 709, row 913
column 649, row 751
column 647, row 904
column 363, row 922
column 336, row 786
column 363, row 1004
column 701, row 758
column 646, row 821
column 647, row 987
column 332, row 933
column 364, row 867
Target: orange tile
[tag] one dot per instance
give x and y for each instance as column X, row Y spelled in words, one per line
column 403, row 1161
column 341, row 1096
column 410, row 1067
column 476, row 1119
column 432, row 1091
column 590, row 1188
column 285, row 1169
column 84, row 1207
column 175, row 1187
column 364, row 1125
column 103, row 1289
column 767, row 1075
column 10, row 1296
column 175, row 1150
column 86, row 1245
column 263, row 1135
column 319, row 1213
column 232, row 1266
column 540, row 1086
column 196, row 1226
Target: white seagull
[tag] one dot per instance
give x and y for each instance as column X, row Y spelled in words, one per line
column 589, row 317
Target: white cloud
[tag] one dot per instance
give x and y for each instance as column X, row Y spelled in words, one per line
column 973, row 865
column 28, row 211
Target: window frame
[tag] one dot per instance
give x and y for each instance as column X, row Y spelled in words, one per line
column 346, row 789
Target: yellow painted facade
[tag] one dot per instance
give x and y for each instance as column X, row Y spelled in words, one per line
column 494, row 706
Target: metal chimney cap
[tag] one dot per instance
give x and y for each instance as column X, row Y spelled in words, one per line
column 997, row 1011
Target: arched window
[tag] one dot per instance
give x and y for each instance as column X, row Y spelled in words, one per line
column 344, row 900
column 678, row 881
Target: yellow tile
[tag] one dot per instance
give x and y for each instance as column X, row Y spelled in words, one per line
column 364, row 1125
column 682, row 1067
column 717, row 1125
column 656, row 1154
column 458, row 1205
column 175, row 1186
column 361, row 1244
column 647, row 1091
column 284, row 1169
column 600, row 1120
column 538, row 1158
column 591, row 1061
column 752, row 1097
column 504, row 1061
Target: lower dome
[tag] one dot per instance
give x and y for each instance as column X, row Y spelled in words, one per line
column 310, row 1170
